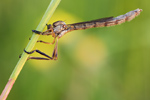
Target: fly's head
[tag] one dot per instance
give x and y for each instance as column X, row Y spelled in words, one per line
column 59, row 26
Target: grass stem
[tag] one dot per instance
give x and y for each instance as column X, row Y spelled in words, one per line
column 49, row 12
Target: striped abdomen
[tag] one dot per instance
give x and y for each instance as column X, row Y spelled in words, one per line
column 110, row 21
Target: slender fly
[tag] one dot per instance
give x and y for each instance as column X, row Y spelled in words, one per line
column 60, row 28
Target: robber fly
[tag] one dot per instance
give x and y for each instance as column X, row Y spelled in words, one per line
column 60, row 28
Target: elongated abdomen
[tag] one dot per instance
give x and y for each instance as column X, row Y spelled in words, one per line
column 109, row 21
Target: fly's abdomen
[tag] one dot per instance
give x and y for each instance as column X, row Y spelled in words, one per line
column 105, row 22
column 84, row 26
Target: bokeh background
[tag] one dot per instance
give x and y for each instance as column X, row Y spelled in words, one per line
column 110, row 63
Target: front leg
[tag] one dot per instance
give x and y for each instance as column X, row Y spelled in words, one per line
column 49, row 31
column 36, row 32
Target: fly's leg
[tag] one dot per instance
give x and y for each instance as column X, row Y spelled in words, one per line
column 38, row 58
column 55, row 50
column 41, row 33
column 49, row 30
column 54, row 55
column 47, row 42
column 36, row 32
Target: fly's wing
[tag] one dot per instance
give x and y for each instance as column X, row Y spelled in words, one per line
column 89, row 24
column 84, row 25
column 103, row 22
column 109, row 21
column 92, row 21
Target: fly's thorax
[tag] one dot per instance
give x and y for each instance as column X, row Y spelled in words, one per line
column 59, row 23
column 59, row 26
column 62, row 33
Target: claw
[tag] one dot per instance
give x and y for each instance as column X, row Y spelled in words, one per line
column 35, row 31
column 28, row 52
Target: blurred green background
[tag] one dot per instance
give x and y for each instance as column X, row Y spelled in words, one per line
column 110, row 63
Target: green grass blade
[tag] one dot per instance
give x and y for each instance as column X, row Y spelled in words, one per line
column 49, row 12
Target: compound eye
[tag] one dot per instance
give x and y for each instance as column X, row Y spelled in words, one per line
column 65, row 26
